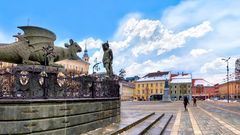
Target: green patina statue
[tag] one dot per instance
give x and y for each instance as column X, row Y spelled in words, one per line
column 107, row 59
column 29, row 48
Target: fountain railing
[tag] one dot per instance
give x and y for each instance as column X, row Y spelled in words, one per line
column 39, row 82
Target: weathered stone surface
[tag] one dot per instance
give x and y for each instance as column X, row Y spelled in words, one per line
column 41, row 110
column 55, row 118
column 78, row 129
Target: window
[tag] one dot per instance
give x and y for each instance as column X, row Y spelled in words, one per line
column 175, row 92
column 138, row 91
column 138, row 85
column 189, row 86
column 175, row 86
column 156, row 91
column 156, row 84
column 161, row 84
column 151, row 91
column 142, row 91
column 160, row 91
column 142, row 85
column 147, row 84
column 151, row 84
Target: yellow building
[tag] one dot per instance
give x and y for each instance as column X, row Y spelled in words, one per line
column 150, row 84
column 126, row 90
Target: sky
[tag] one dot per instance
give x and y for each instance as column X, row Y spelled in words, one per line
column 190, row 36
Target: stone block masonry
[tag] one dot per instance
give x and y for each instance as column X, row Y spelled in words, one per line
column 57, row 116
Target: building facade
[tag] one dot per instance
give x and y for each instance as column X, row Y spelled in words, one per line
column 234, row 90
column 75, row 66
column 151, row 84
column 180, row 86
column 126, row 90
column 202, row 89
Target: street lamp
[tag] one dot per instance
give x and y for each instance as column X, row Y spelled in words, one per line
column 95, row 66
column 226, row 60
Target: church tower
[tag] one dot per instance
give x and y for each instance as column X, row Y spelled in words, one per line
column 85, row 55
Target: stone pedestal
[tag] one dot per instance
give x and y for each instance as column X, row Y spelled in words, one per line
column 166, row 96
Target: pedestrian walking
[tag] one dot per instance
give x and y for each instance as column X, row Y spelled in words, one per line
column 185, row 102
column 194, row 101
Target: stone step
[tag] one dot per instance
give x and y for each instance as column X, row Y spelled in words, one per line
column 159, row 127
column 128, row 127
column 143, row 127
column 126, row 123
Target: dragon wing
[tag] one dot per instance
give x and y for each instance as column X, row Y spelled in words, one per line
column 37, row 35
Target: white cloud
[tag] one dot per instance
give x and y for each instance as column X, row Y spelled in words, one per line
column 214, row 26
column 199, row 52
column 215, row 70
column 222, row 41
column 195, row 11
column 163, row 40
column 213, row 66
column 152, row 66
column 218, row 65
column 91, row 43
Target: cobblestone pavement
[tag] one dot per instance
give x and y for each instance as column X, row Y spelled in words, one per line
column 231, row 117
column 228, row 106
column 205, row 119
column 185, row 126
column 208, row 125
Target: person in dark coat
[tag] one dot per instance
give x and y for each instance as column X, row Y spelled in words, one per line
column 194, row 101
column 185, row 102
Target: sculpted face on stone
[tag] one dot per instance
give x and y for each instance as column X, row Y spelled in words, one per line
column 61, row 79
column 24, row 78
column 42, row 76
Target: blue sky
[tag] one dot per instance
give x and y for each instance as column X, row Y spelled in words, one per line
column 145, row 36
column 78, row 19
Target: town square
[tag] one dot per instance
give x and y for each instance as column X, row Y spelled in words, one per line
column 119, row 67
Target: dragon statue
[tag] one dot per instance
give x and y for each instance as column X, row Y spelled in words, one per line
column 32, row 48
